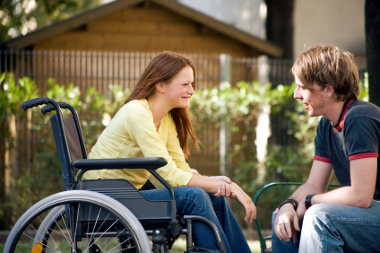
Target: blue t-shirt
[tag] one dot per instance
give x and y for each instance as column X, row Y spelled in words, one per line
column 356, row 136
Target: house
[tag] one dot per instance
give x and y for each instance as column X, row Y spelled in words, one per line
column 145, row 26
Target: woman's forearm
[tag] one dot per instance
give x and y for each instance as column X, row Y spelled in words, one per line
column 205, row 183
column 212, row 185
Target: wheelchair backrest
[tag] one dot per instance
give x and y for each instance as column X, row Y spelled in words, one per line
column 70, row 147
column 70, row 144
column 73, row 140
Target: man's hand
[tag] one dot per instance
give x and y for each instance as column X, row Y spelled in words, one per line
column 301, row 210
column 286, row 224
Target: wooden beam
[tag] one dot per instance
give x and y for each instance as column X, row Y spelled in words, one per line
column 152, row 28
column 148, row 43
column 152, row 13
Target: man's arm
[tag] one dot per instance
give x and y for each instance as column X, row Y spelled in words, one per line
column 287, row 220
column 317, row 182
column 363, row 174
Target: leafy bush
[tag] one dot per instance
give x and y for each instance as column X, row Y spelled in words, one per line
column 287, row 163
column 235, row 106
column 32, row 180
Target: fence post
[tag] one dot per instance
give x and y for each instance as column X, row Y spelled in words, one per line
column 225, row 78
column 263, row 121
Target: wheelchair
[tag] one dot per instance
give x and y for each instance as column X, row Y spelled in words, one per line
column 108, row 215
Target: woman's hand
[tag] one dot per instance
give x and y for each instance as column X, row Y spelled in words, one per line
column 286, row 224
column 246, row 201
column 215, row 184
column 224, row 190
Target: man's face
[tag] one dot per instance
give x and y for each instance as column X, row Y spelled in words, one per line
column 313, row 101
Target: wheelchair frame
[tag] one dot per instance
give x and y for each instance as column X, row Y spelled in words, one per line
column 80, row 205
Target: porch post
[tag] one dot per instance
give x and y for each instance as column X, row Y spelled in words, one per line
column 225, row 78
column 263, row 121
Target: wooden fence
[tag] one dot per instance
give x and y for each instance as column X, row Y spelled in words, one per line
column 87, row 69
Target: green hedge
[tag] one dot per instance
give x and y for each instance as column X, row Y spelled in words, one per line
column 236, row 106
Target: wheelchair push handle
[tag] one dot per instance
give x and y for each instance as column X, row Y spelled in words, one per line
column 50, row 108
column 34, row 102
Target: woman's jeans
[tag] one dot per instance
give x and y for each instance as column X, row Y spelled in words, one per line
column 195, row 201
column 335, row 228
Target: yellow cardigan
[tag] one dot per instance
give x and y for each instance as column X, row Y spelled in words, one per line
column 132, row 133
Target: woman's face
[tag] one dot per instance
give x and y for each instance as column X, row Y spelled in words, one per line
column 179, row 90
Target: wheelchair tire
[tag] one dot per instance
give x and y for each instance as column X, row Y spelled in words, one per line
column 48, row 226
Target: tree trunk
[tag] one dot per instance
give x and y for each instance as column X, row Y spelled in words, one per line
column 280, row 25
column 2, row 173
column 372, row 30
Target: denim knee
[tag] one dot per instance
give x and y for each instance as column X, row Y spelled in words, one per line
column 318, row 213
column 218, row 202
column 194, row 199
column 196, row 193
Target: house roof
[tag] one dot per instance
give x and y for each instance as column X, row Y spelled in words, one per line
column 99, row 12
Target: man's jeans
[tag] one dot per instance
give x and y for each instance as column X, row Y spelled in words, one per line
column 195, row 201
column 335, row 228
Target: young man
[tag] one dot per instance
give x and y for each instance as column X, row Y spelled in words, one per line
column 348, row 137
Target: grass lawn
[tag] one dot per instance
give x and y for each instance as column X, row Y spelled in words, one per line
column 180, row 246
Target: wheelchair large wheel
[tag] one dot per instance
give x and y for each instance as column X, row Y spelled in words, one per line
column 78, row 221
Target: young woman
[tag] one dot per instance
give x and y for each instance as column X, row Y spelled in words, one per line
column 154, row 122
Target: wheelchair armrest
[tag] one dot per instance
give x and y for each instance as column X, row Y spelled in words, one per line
column 120, row 163
column 149, row 163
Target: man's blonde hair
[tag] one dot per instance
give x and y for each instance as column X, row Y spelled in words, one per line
column 328, row 65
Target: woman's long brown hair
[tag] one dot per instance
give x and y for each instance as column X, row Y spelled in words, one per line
column 161, row 69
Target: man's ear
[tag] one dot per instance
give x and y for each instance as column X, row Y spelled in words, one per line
column 329, row 90
column 160, row 87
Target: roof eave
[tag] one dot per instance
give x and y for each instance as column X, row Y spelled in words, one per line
column 68, row 24
column 261, row 45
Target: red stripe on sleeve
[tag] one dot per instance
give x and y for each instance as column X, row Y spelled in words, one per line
column 363, row 155
column 322, row 159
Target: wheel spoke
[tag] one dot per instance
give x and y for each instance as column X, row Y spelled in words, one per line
column 115, row 239
column 101, row 235
column 47, row 229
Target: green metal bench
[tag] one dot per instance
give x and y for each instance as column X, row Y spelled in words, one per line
column 263, row 240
